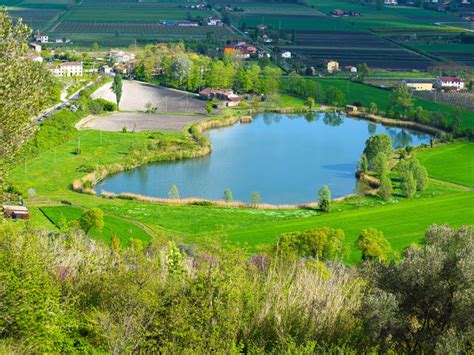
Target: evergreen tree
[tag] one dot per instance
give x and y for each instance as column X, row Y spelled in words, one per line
column 117, row 89
column 385, row 188
column 324, row 198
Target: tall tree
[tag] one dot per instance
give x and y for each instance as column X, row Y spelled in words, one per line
column 380, row 143
column 373, row 245
column 26, row 88
column 324, row 195
column 93, row 218
column 117, row 89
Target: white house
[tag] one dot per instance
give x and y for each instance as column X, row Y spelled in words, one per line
column 214, row 21
column 390, row 2
column 120, row 56
column 41, row 37
column 105, row 69
column 450, row 83
column 35, row 57
column 67, row 69
column 286, row 55
column 266, row 39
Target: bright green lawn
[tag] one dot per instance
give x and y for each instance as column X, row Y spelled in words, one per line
column 119, row 227
column 453, row 162
column 402, row 224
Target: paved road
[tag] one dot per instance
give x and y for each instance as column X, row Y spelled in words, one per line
column 64, row 102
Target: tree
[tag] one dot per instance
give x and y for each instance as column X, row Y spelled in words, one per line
column 228, row 195
column 408, row 184
column 95, row 46
column 209, row 108
column 385, row 188
column 420, row 174
column 423, row 304
column 380, row 163
column 324, row 198
column 380, row 143
column 92, row 218
column 255, row 198
column 180, row 68
column 173, row 193
column 117, row 89
column 456, row 120
column 323, row 244
column 373, row 245
column 402, row 99
column 269, row 82
column 363, row 71
column 334, row 96
column 26, row 88
column 373, row 109
column 363, row 165
column 310, row 102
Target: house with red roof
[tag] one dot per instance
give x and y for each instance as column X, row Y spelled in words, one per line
column 450, row 83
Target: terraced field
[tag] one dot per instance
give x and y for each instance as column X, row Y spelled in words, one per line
column 38, row 19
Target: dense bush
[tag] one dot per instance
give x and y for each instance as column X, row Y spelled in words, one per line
column 62, row 292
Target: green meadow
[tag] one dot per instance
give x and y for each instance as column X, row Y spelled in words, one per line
column 451, row 162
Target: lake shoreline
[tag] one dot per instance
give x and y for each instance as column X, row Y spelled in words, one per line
column 195, row 131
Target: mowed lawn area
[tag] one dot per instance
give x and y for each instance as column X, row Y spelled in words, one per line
column 402, row 224
column 450, row 162
column 124, row 230
column 357, row 92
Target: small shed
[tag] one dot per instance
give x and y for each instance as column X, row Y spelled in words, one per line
column 15, row 212
column 351, row 108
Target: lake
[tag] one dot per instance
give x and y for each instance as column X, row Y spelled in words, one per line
column 286, row 158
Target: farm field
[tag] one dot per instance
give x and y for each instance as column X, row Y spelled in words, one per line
column 356, row 92
column 461, row 53
column 37, row 18
column 137, row 94
column 138, row 121
column 319, row 37
column 454, row 162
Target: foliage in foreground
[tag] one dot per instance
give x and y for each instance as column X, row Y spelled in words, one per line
column 66, row 293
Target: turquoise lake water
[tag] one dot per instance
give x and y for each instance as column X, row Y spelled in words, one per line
column 286, row 158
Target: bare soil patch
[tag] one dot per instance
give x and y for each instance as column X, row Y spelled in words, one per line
column 138, row 121
column 136, row 95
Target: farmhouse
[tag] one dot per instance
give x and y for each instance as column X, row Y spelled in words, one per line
column 41, row 38
column 120, row 56
column 15, row 212
column 241, row 50
column 337, row 12
column 350, row 68
column 332, row 66
column 450, row 83
column 71, row 69
column 391, row 2
column 286, row 55
column 351, row 108
column 214, row 21
column 419, row 84
column 105, row 69
column 35, row 57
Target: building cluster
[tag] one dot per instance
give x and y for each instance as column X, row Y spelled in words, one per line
column 339, row 13
column 227, row 95
column 445, row 83
column 241, row 49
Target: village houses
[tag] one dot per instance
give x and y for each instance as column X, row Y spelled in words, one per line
column 214, row 21
column 241, row 50
column 121, row 56
column 450, row 83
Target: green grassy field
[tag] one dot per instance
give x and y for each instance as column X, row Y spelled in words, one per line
column 453, row 162
column 122, row 229
column 402, row 224
column 356, row 92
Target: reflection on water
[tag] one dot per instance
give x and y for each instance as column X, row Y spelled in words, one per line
column 286, row 158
